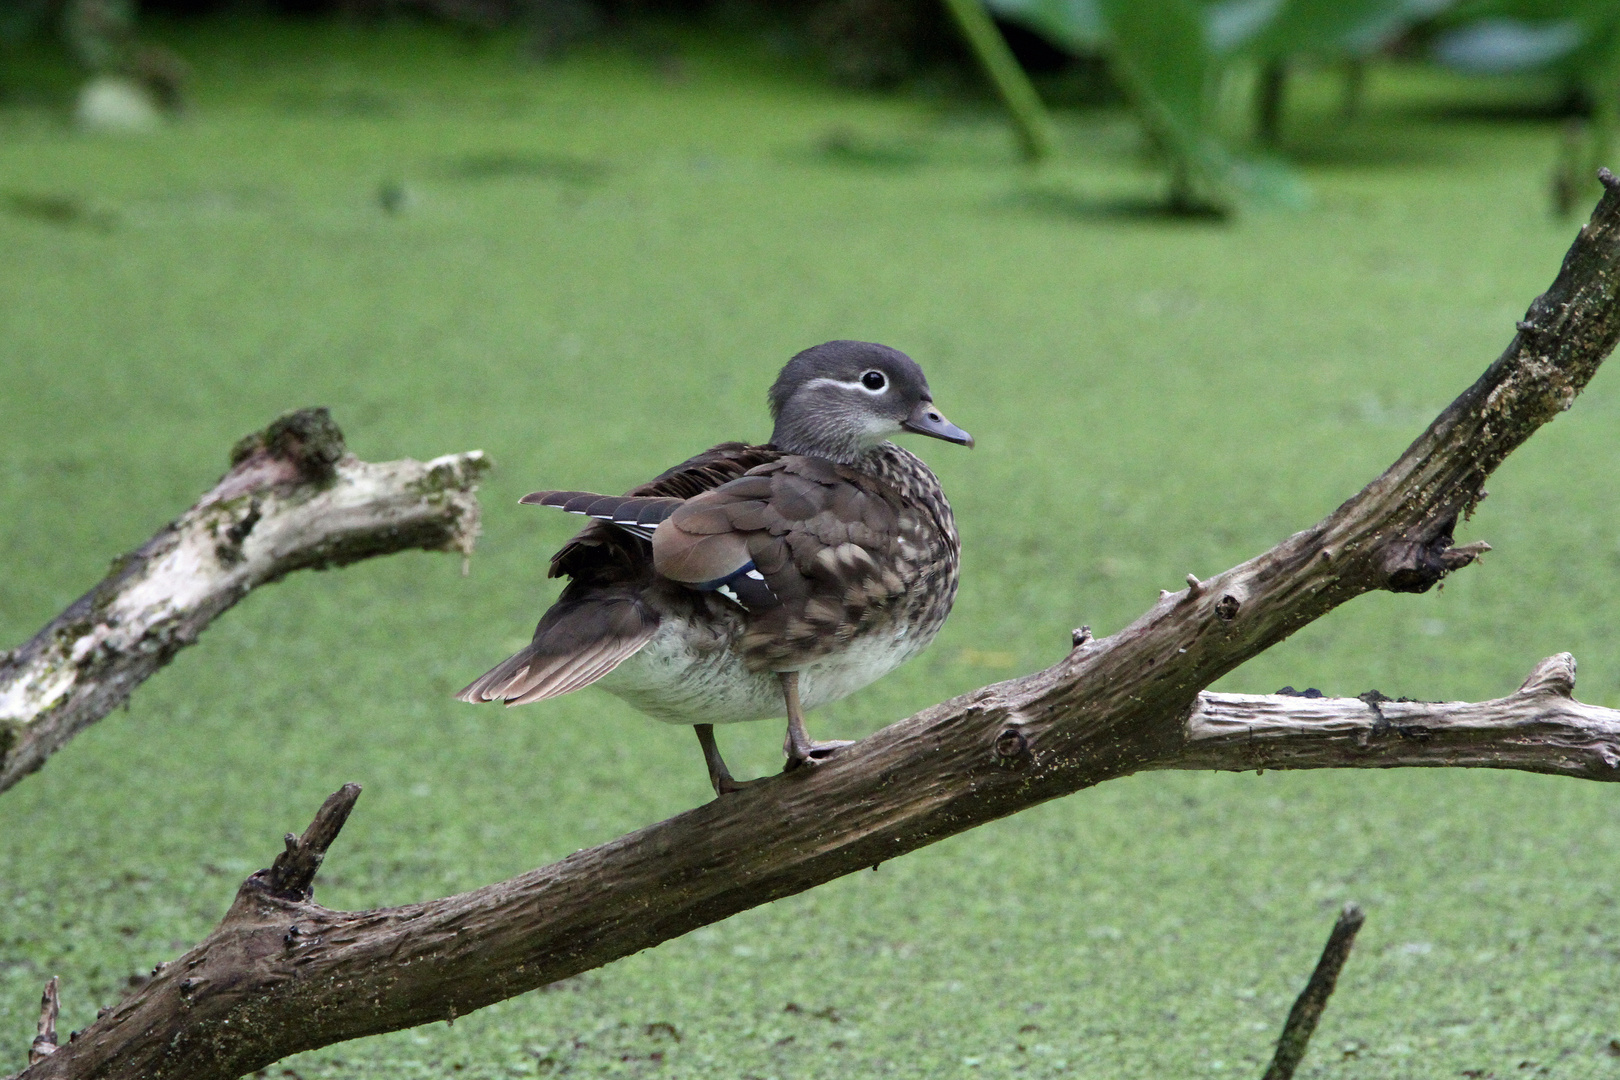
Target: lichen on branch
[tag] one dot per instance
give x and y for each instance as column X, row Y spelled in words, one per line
column 293, row 498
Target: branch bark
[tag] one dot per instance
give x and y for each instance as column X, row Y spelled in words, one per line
column 294, row 498
column 278, row 976
column 1538, row 728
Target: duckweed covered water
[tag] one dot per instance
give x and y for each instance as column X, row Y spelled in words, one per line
column 594, row 269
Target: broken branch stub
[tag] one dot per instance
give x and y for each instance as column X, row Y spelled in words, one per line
column 1302, row 1018
column 292, row 875
column 50, row 1006
column 280, row 976
column 293, row 499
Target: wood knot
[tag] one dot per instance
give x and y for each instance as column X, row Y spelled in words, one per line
column 1011, row 749
column 1415, row 565
column 1226, row 608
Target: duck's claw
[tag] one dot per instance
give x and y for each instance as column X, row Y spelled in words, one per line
column 725, row 785
column 811, row 753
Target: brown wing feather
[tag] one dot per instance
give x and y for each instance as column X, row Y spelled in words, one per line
column 831, row 543
column 600, row 552
column 697, row 558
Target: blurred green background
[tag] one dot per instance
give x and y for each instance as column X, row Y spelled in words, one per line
column 593, row 267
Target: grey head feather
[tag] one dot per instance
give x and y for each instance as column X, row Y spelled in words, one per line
column 843, row 399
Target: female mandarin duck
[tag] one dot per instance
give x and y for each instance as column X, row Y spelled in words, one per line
column 753, row 581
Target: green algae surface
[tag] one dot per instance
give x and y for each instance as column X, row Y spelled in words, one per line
column 594, row 269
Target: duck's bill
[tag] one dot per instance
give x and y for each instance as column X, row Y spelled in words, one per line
column 925, row 419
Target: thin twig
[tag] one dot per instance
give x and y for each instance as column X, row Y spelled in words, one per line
column 1307, row 1010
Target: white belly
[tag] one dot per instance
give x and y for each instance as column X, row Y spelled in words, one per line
column 673, row 679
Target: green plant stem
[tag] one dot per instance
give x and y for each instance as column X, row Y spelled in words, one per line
column 1268, row 105
column 1029, row 116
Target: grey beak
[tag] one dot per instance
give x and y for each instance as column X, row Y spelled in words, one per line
column 925, row 419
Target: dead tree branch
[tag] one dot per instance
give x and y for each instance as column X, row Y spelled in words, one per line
column 278, row 976
column 292, row 875
column 50, row 1004
column 294, row 498
column 1538, row 728
column 1301, row 1023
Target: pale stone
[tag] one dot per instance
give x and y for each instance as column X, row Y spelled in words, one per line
column 114, row 103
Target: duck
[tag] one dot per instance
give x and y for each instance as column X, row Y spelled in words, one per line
column 756, row 582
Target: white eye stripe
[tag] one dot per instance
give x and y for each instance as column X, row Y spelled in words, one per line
column 856, row 385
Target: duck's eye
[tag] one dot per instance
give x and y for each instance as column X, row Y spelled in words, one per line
column 874, row 380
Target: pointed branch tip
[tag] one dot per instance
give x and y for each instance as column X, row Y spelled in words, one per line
column 50, row 1004
column 292, row 875
column 1307, row 1010
column 1458, row 557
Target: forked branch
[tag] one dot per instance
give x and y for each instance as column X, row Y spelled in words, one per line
column 280, row 976
column 294, row 498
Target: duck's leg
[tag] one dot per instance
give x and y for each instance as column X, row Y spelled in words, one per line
column 798, row 746
column 719, row 775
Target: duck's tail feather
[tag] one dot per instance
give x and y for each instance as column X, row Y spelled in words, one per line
column 635, row 514
column 575, row 644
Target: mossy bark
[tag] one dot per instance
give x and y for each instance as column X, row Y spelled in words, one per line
column 293, row 499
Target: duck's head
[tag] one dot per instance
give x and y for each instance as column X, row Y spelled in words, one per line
column 845, row 398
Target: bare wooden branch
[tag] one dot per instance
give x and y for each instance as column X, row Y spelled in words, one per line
column 1307, row 1010
column 50, row 1004
column 292, row 875
column 1538, row 728
column 294, row 498
column 280, row 976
